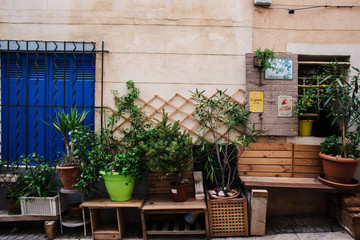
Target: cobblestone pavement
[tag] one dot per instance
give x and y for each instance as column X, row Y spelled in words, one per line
column 305, row 227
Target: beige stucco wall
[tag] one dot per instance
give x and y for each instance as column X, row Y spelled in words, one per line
column 165, row 46
column 275, row 28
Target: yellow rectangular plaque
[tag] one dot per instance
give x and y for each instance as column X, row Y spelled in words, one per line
column 256, row 101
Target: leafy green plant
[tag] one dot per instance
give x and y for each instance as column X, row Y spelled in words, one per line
column 343, row 104
column 168, row 150
column 65, row 124
column 223, row 125
column 264, row 58
column 39, row 179
column 309, row 101
column 87, row 145
column 15, row 188
column 119, row 146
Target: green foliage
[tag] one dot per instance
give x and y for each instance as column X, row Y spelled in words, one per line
column 39, row 179
column 130, row 164
column 219, row 114
column 331, row 146
column 15, row 189
column 87, row 144
column 122, row 153
column 343, row 104
column 264, row 58
column 310, row 100
column 65, row 124
column 168, row 150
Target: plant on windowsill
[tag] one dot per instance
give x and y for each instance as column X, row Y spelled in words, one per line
column 118, row 151
column 307, row 108
column 69, row 165
column 168, row 152
column 223, row 125
column 343, row 104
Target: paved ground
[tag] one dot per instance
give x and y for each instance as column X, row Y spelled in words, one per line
column 278, row 228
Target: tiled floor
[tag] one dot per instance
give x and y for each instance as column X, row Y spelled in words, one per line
column 306, row 227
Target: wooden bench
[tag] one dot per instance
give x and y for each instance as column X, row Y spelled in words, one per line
column 166, row 217
column 281, row 168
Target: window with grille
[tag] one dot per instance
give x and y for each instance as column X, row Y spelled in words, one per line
column 38, row 78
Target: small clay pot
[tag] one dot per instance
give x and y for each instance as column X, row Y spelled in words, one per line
column 76, row 211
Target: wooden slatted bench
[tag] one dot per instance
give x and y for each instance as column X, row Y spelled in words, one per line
column 282, row 167
column 166, row 217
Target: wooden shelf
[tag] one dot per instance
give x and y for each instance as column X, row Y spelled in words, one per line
column 4, row 217
column 175, row 226
column 106, row 231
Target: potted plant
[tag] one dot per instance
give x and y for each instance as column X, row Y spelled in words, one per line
column 262, row 60
column 307, row 108
column 69, row 165
column 343, row 104
column 223, row 125
column 41, row 196
column 169, row 152
column 224, row 135
column 122, row 163
column 13, row 181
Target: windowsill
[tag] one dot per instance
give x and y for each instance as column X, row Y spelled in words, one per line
column 310, row 140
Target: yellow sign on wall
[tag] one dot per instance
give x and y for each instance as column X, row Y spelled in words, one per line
column 256, row 101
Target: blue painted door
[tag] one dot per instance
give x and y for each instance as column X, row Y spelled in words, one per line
column 33, row 87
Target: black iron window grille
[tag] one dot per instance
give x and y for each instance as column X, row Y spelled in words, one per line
column 38, row 78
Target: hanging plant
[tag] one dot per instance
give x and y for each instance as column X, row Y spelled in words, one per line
column 264, row 58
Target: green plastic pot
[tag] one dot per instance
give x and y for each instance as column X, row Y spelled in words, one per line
column 118, row 186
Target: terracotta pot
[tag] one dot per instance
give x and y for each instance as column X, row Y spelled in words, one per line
column 76, row 211
column 337, row 169
column 13, row 206
column 69, row 176
column 179, row 192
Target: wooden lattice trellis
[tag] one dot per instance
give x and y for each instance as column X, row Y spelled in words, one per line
column 179, row 109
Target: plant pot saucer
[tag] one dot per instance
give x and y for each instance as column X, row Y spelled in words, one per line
column 218, row 197
column 354, row 183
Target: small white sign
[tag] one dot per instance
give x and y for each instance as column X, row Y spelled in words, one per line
column 174, row 191
column 285, row 106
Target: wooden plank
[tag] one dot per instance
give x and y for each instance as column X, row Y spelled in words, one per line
column 166, row 203
column 264, row 174
column 152, row 176
column 289, row 183
column 314, row 155
column 256, row 161
column 4, row 217
column 269, row 146
column 103, row 202
column 306, row 175
column 307, row 148
column 267, row 154
column 308, row 162
column 308, row 169
column 266, row 168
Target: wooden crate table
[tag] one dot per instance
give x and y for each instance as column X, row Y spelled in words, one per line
column 163, row 206
column 110, row 231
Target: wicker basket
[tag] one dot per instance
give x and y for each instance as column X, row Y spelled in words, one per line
column 39, row 206
column 228, row 217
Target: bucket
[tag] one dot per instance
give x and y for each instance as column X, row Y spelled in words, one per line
column 305, row 127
